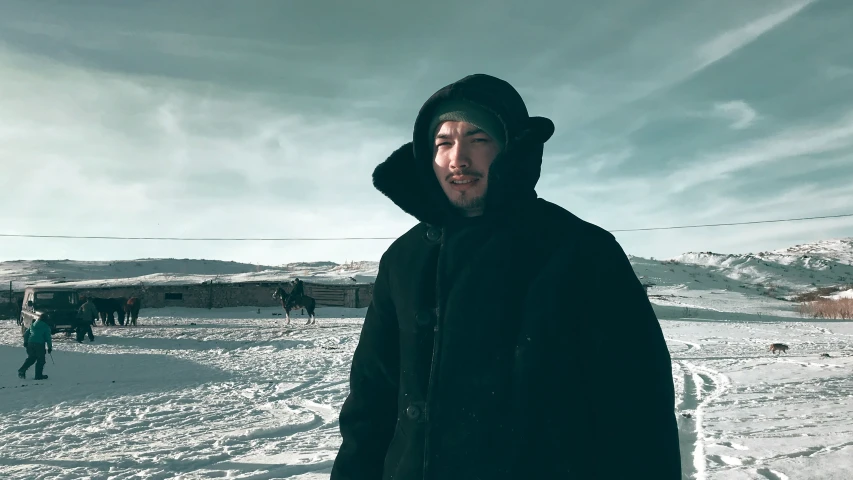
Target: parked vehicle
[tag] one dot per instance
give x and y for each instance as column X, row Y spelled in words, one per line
column 55, row 305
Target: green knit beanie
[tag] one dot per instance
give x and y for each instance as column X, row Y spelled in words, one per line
column 462, row 111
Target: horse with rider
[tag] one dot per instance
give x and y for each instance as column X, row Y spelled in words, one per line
column 296, row 299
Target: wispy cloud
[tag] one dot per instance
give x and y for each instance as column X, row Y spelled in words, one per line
column 659, row 56
column 807, row 199
column 730, row 41
column 834, row 72
column 607, row 160
column 791, row 143
column 738, row 112
column 135, row 151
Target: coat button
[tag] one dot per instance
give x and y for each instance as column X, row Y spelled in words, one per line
column 424, row 318
column 433, row 234
column 413, row 412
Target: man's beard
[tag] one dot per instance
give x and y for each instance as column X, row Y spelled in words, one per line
column 463, row 201
column 466, row 203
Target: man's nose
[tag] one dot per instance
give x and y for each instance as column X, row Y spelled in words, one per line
column 459, row 158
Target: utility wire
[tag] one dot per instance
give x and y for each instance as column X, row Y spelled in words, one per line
column 302, row 239
column 205, row 239
column 734, row 223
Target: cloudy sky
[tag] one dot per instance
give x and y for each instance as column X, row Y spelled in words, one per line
column 266, row 118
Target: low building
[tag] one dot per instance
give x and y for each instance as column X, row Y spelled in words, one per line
column 219, row 295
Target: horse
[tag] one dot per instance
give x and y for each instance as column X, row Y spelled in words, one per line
column 781, row 347
column 108, row 307
column 289, row 302
column 131, row 310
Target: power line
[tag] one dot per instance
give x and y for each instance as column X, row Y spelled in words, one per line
column 734, row 223
column 194, row 239
column 320, row 239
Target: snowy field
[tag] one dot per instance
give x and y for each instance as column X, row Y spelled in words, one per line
column 187, row 394
column 235, row 394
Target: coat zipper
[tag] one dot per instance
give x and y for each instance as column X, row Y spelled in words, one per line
column 436, row 342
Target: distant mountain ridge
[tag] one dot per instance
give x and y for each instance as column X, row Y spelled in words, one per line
column 823, row 253
column 780, row 273
column 170, row 270
column 839, row 250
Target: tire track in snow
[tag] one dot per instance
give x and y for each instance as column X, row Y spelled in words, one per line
column 771, row 474
column 689, row 401
column 686, row 427
column 690, row 345
column 709, row 385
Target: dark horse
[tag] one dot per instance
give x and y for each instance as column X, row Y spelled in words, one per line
column 131, row 310
column 289, row 302
column 108, row 308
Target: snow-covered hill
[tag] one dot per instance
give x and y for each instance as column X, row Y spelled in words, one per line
column 777, row 274
column 176, row 271
column 838, row 250
column 781, row 273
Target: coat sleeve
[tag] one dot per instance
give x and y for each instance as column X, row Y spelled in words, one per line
column 632, row 377
column 47, row 335
column 369, row 414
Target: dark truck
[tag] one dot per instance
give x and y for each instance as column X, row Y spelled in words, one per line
column 56, row 305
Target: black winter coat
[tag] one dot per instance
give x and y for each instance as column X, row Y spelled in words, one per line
column 542, row 359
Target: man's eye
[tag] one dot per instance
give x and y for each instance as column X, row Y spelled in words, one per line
column 442, row 143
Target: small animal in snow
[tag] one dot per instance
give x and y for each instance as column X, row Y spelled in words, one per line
column 825, row 355
column 778, row 347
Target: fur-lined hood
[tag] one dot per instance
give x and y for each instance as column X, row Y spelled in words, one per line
column 407, row 177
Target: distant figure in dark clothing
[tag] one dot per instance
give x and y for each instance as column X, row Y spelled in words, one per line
column 131, row 310
column 298, row 288
column 35, row 339
column 86, row 316
column 297, row 293
column 89, row 311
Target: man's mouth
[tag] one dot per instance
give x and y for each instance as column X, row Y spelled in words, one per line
column 462, row 181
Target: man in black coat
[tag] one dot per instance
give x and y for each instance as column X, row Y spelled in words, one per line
column 462, row 373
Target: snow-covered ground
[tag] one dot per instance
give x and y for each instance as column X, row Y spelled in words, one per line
column 757, row 415
column 187, row 394
column 233, row 393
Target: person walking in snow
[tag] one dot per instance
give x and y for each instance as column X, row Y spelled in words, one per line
column 86, row 316
column 35, row 339
column 449, row 380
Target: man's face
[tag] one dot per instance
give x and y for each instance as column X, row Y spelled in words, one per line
column 462, row 156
